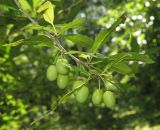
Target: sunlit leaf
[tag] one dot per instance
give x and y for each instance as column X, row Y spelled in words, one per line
column 48, row 12
column 84, row 56
column 25, row 5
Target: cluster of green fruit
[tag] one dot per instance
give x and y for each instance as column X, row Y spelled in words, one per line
column 60, row 72
column 108, row 97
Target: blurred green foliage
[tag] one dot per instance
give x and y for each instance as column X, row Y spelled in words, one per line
column 26, row 94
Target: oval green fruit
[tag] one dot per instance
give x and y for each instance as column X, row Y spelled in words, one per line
column 62, row 66
column 82, row 94
column 110, row 87
column 62, row 81
column 109, row 99
column 51, row 73
column 77, row 83
column 97, row 97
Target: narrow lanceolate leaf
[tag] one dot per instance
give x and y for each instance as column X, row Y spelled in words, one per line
column 25, row 5
column 39, row 28
column 126, row 56
column 115, row 61
column 16, row 43
column 81, row 40
column 48, row 12
column 4, row 7
column 77, row 23
column 43, row 7
column 102, row 37
column 35, row 40
column 132, row 56
column 122, row 68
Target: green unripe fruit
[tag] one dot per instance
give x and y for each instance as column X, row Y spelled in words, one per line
column 51, row 73
column 62, row 81
column 82, row 94
column 62, row 66
column 110, row 87
column 77, row 84
column 97, row 97
column 109, row 99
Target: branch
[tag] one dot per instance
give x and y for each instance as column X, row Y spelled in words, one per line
column 53, row 37
column 58, row 102
column 25, row 13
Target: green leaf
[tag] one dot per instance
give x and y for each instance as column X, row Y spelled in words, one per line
column 25, row 5
column 116, row 60
column 134, row 45
column 80, row 70
column 36, row 3
column 122, row 68
column 74, row 52
column 99, row 56
column 81, row 40
column 132, row 56
column 4, row 7
column 39, row 28
column 41, row 40
column 103, row 36
column 74, row 24
column 16, row 43
column 48, row 12
column 35, row 40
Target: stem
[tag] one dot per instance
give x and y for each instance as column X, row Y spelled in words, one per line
column 25, row 13
column 102, row 79
column 43, row 116
column 54, row 29
column 99, row 83
column 52, row 37
column 55, row 39
column 59, row 102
